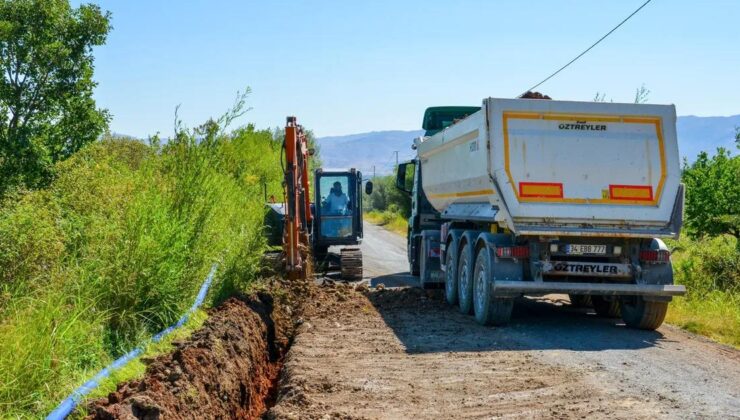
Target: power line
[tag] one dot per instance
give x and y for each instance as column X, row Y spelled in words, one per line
column 587, row 49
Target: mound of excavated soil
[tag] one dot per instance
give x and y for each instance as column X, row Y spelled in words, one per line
column 227, row 369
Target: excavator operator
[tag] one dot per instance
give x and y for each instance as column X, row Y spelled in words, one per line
column 337, row 201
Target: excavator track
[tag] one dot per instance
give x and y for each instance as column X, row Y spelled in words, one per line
column 350, row 261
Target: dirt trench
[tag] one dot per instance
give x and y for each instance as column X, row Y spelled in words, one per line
column 347, row 352
column 227, row 369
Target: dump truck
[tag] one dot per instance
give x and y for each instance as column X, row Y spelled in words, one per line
column 532, row 197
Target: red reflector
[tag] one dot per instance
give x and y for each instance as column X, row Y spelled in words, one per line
column 434, row 252
column 512, row 252
column 655, row 256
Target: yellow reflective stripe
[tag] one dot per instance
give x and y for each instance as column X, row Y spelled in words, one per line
column 635, row 192
column 541, row 189
column 578, row 117
column 462, row 194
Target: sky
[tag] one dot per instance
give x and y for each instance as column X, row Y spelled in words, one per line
column 347, row 67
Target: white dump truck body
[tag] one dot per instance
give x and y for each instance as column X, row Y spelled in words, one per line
column 543, row 167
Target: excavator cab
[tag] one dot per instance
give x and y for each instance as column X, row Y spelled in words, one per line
column 337, row 218
column 337, row 207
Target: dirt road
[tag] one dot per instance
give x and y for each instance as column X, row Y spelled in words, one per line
column 403, row 353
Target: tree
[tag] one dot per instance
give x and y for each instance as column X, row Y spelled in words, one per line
column 642, row 94
column 46, row 107
column 713, row 194
column 386, row 197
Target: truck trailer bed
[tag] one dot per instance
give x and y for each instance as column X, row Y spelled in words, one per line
column 542, row 167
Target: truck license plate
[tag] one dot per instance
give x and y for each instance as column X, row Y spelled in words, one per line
column 580, row 249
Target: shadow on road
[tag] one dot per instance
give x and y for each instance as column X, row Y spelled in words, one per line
column 395, row 280
column 424, row 323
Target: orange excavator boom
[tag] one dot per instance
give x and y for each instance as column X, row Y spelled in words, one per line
column 298, row 214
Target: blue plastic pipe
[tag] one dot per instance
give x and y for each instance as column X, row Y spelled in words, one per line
column 68, row 404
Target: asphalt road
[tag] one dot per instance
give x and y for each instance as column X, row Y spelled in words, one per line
column 663, row 373
column 384, row 258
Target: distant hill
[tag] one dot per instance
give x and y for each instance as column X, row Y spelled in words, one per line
column 696, row 134
column 365, row 150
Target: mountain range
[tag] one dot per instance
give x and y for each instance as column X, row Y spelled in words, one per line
column 376, row 150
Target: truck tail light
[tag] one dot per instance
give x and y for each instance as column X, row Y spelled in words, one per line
column 434, row 252
column 660, row 256
column 512, row 252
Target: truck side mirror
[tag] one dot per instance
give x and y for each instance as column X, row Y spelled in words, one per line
column 401, row 177
column 369, row 187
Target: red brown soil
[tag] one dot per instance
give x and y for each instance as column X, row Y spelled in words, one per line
column 404, row 353
column 227, row 369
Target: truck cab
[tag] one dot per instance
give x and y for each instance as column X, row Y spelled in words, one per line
column 408, row 179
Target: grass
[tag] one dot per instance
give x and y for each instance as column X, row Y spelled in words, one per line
column 137, row 368
column 710, row 270
column 389, row 220
column 115, row 249
column 716, row 316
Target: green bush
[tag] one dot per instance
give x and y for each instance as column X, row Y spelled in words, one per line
column 710, row 269
column 390, row 220
column 386, row 197
column 713, row 194
column 116, row 248
column 30, row 241
column 707, row 265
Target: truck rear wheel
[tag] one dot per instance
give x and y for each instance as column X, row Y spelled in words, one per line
column 605, row 308
column 642, row 314
column 489, row 310
column 465, row 269
column 451, row 275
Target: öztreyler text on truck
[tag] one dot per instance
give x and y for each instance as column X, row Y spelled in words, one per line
column 529, row 197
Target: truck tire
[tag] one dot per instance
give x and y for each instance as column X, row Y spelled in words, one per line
column 451, row 275
column 580, row 301
column 465, row 271
column 489, row 310
column 641, row 314
column 605, row 308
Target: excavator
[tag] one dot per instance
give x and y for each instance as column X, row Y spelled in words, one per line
column 333, row 219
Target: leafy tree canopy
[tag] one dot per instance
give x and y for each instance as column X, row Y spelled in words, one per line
column 713, row 194
column 46, row 107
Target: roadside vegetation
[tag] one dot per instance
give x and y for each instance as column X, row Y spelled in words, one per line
column 105, row 241
column 388, row 219
column 387, row 206
column 116, row 247
column 707, row 258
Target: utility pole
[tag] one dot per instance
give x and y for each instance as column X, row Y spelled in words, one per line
column 396, row 152
column 373, row 172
